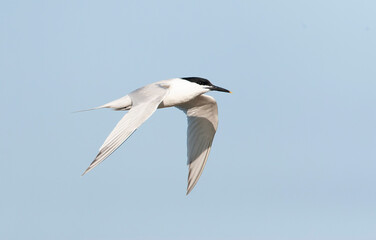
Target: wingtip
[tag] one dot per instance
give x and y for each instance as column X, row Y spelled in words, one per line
column 86, row 171
column 189, row 189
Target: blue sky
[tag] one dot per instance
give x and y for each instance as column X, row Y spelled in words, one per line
column 294, row 155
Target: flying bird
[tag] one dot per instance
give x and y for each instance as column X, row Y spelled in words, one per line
column 187, row 94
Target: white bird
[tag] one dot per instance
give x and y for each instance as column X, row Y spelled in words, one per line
column 187, row 94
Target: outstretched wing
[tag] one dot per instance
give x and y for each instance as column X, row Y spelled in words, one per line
column 144, row 103
column 202, row 113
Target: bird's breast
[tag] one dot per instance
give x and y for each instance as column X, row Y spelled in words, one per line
column 173, row 99
column 180, row 91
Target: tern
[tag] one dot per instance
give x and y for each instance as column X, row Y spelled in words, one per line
column 187, row 94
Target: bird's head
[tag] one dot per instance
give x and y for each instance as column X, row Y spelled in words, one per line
column 205, row 84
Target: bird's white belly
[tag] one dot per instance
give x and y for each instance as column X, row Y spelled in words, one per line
column 179, row 92
column 172, row 100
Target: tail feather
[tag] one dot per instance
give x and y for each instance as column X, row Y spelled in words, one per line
column 121, row 104
column 85, row 110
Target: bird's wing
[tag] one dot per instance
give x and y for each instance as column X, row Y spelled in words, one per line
column 202, row 113
column 144, row 103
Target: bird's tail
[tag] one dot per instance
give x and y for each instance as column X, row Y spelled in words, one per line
column 85, row 110
column 121, row 104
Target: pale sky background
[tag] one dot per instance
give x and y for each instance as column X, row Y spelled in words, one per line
column 294, row 157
